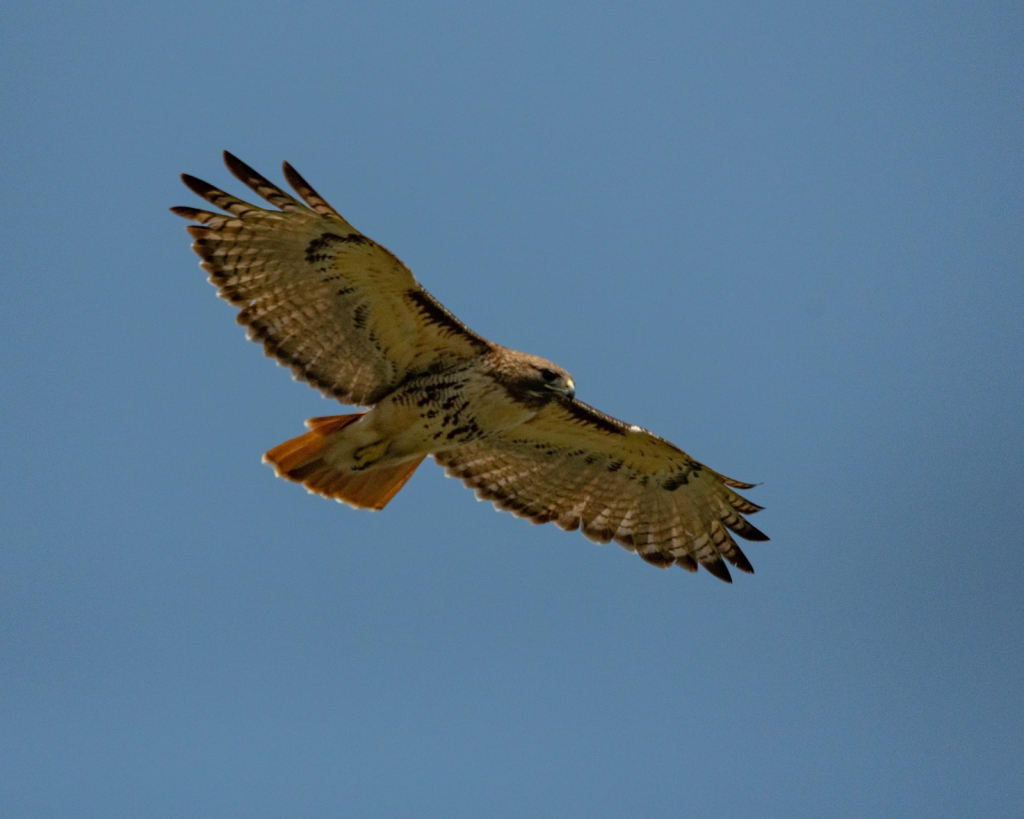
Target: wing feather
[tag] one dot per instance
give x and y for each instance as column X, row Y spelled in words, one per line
column 337, row 307
column 305, row 190
column 582, row 469
column 262, row 186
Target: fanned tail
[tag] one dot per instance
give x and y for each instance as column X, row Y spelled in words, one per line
column 305, row 460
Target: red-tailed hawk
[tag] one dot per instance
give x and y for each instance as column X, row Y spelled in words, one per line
column 349, row 318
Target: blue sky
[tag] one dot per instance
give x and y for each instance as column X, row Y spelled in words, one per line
column 785, row 236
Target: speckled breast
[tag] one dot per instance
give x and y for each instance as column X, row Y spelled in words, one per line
column 454, row 407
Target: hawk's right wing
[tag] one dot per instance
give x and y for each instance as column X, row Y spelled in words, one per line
column 578, row 468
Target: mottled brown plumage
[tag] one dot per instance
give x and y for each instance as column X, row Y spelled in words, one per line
column 348, row 317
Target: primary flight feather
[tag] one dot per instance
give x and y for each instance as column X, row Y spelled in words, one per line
column 349, row 317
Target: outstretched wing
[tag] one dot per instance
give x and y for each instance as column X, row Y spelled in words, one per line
column 339, row 309
column 581, row 469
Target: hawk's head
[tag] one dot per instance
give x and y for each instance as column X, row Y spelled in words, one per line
column 532, row 379
column 550, row 377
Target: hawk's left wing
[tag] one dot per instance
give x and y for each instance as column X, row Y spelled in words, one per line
column 579, row 468
column 337, row 307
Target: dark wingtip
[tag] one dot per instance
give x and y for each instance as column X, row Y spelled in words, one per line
column 307, row 192
column 735, row 484
column 658, row 559
column 740, row 561
column 753, row 533
column 198, row 186
column 745, row 529
column 293, row 177
column 719, row 570
column 296, row 180
column 236, row 165
column 186, row 212
column 686, row 562
column 241, row 171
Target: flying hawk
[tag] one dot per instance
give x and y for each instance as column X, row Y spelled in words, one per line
column 347, row 316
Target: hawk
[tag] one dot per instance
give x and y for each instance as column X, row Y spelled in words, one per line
column 348, row 317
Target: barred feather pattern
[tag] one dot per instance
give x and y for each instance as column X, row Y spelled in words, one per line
column 342, row 311
column 580, row 469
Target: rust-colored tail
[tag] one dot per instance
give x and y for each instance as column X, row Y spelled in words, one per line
column 302, row 460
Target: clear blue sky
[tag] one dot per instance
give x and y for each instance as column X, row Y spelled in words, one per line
column 787, row 237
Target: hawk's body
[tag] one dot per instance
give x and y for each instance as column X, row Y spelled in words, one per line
column 348, row 317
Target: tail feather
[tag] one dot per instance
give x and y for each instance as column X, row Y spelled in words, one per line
column 303, row 460
column 298, row 453
column 326, row 424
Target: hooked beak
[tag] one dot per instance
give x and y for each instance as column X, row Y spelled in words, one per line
column 570, row 389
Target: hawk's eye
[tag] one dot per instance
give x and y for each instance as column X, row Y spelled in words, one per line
column 549, row 376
